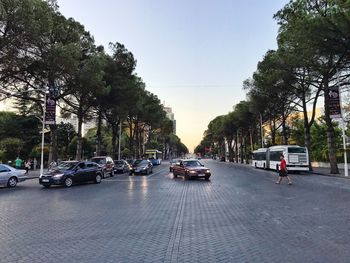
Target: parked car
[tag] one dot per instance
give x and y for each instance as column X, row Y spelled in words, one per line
column 191, row 169
column 71, row 172
column 106, row 163
column 173, row 163
column 10, row 176
column 122, row 166
column 143, row 167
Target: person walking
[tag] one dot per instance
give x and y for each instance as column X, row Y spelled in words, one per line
column 283, row 171
column 35, row 163
column 18, row 163
column 27, row 165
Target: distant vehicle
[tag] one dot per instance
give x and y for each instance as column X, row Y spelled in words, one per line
column 154, row 156
column 10, row 176
column 143, row 167
column 259, row 158
column 222, row 159
column 173, row 163
column 297, row 157
column 106, row 163
column 72, row 172
column 121, row 166
column 191, row 168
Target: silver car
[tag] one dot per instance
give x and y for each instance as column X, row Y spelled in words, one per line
column 10, row 176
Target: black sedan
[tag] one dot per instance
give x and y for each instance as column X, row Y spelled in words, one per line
column 143, row 167
column 71, row 172
column 121, row 166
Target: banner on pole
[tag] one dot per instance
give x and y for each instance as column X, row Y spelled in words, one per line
column 50, row 114
column 334, row 103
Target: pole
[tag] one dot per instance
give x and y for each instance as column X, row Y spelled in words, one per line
column 120, row 138
column 346, row 172
column 261, row 131
column 43, row 137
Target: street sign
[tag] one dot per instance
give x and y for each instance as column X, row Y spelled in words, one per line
column 334, row 102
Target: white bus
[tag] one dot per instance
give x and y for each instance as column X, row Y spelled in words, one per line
column 259, row 158
column 154, row 156
column 297, row 158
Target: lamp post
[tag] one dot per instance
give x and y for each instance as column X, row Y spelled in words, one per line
column 43, row 136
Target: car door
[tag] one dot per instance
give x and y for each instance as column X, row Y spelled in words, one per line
column 90, row 172
column 5, row 174
column 181, row 168
column 79, row 175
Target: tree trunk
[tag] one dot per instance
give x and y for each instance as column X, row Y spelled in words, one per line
column 114, row 140
column 99, row 134
column 131, row 139
column 284, row 130
column 330, row 131
column 79, row 139
column 236, row 147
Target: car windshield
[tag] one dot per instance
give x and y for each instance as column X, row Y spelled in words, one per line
column 119, row 162
column 99, row 160
column 191, row 163
column 174, row 161
column 143, row 162
column 137, row 162
column 66, row 166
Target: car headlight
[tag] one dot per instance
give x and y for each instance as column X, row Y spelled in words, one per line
column 58, row 176
column 207, row 171
column 193, row 172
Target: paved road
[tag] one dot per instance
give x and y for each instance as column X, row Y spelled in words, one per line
column 238, row 216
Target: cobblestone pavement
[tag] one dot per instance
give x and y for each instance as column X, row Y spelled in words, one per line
column 238, row 216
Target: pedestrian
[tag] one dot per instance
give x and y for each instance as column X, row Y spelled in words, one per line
column 283, row 171
column 35, row 163
column 18, row 163
column 27, row 165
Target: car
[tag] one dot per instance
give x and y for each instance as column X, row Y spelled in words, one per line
column 121, row 166
column 172, row 164
column 191, row 168
column 222, row 159
column 106, row 163
column 10, row 176
column 142, row 167
column 68, row 173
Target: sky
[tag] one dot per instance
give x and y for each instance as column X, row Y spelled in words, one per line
column 193, row 54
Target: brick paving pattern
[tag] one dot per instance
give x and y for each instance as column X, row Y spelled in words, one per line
column 238, row 216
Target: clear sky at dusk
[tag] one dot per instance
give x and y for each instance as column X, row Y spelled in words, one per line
column 193, row 54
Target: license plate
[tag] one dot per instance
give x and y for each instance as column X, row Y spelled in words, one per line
column 45, row 180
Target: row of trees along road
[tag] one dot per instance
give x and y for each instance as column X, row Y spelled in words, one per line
column 40, row 48
column 313, row 55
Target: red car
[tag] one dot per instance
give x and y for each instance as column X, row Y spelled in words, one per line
column 191, row 169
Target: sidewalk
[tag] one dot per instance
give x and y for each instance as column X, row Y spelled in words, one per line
column 326, row 172
column 32, row 174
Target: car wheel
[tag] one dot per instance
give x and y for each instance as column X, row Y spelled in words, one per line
column 151, row 170
column 206, row 178
column 12, row 182
column 98, row 178
column 112, row 173
column 175, row 175
column 68, row 182
column 255, row 166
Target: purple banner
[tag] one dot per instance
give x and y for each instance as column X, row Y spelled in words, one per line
column 50, row 114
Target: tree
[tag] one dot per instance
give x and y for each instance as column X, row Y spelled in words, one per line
column 320, row 28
